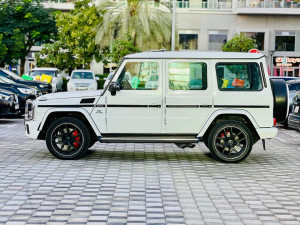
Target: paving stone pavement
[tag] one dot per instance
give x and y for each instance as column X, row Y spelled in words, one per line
column 147, row 184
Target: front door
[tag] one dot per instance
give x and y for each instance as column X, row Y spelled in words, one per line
column 188, row 97
column 137, row 107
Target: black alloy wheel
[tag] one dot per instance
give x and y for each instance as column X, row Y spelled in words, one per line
column 230, row 141
column 68, row 138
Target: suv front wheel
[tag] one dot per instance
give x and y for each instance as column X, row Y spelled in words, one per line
column 68, row 138
column 230, row 141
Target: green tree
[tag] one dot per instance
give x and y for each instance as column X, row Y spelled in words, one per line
column 3, row 49
column 119, row 49
column 148, row 26
column 239, row 43
column 24, row 23
column 76, row 39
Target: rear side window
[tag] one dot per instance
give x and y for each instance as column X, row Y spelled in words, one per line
column 187, row 76
column 239, row 77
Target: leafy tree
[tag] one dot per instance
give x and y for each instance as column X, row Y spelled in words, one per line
column 23, row 23
column 121, row 48
column 3, row 49
column 148, row 26
column 76, row 39
column 239, row 43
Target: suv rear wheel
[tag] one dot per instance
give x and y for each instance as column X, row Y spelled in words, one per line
column 230, row 141
column 68, row 138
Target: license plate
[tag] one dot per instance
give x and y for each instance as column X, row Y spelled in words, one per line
column 17, row 107
column 296, row 110
column 81, row 89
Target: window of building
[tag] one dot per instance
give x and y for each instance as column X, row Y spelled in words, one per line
column 285, row 41
column 239, row 77
column 259, row 38
column 187, row 76
column 217, row 39
column 188, row 39
column 139, row 76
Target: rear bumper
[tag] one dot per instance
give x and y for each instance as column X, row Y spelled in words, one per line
column 294, row 121
column 266, row 133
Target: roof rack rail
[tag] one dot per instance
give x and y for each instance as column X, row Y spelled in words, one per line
column 159, row 50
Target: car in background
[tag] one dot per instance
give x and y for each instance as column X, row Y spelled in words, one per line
column 56, row 77
column 294, row 116
column 9, row 104
column 82, row 80
column 22, row 91
column 43, row 86
column 285, row 78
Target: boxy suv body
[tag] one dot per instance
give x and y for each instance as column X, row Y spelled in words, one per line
column 222, row 99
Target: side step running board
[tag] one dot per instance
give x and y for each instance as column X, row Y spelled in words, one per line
column 148, row 140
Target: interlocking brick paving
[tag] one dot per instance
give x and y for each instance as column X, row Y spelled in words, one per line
column 147, row 184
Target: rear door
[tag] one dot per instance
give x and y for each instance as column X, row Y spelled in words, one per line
column 189, row 97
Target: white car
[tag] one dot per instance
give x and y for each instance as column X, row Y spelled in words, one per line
column 82, row 80
column 57, row 81
column 192, row 97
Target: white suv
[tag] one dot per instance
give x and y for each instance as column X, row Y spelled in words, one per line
column 222, row 99
column 57, row 81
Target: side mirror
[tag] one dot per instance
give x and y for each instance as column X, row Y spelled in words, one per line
column 97, row 78
column 114, row 87
column 59, row 75
column 68, row 77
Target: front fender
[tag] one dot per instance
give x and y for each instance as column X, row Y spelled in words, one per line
column 77, row 110
column 219, row 112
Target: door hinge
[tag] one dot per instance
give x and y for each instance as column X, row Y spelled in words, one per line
column 165, row 120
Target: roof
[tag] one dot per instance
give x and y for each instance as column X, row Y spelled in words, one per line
column 44, row 68
column 82, row 70
column 193, row 55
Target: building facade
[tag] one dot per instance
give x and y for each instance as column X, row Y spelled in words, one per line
column 275, row 25
column 205, row 25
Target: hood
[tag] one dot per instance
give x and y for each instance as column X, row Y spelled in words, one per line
column 28, row 82
column 70, row 95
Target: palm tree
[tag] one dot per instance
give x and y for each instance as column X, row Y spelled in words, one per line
column 148, row 26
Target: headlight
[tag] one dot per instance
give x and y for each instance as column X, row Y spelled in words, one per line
column 29, row 110
column 27, row 91
column 5, row 97
column 41, row 86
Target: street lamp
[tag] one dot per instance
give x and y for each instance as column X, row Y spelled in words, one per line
column 271, row 52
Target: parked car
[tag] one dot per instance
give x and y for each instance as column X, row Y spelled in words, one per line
column 285, row 78
column 229, row 119
column 56, row 80
column 82, row 80
column 9, row 103
column 294, row 116
column 22, row 91
column 45, row 88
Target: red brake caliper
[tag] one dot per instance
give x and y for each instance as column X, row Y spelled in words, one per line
column 75, row 133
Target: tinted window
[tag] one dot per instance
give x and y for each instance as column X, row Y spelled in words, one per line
column 82, row 75
column 187, row 76
column 41, row 72
column 139, row 76
column 294, row 87
column 239, row 77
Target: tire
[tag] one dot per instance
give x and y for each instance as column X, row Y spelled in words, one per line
column 230, row 141
column 68, row 138
column 92, row 143
column 281, row 100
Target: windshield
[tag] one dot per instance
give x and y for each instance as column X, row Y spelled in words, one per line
column 82, row 75
column 41, row 72
column 12, row 74
column 6, row 81
column 294, row 87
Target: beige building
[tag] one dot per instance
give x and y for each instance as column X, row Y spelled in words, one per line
column 205, row 25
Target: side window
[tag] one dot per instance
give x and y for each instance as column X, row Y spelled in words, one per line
column 239, row 77
column 139, row 76
column 187, row 76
